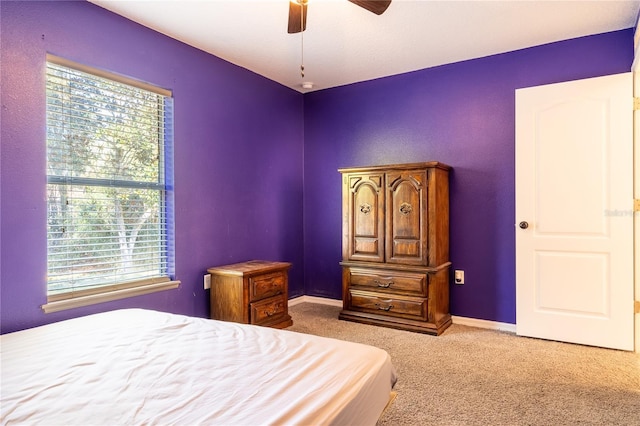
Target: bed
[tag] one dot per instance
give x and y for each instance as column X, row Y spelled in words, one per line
column 136, row 366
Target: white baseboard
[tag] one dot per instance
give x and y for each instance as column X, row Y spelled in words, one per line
column 314, row 299
column 480, row 323
column 472, row 322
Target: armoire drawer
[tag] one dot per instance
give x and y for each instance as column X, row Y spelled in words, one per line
column 396, row 282
column 386, row 304
column 268, row 310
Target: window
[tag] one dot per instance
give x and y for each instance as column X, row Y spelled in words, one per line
column 109, row 144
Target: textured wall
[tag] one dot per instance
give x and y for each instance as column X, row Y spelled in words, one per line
column 461, row 114
column 239, row 142
column 238, row 155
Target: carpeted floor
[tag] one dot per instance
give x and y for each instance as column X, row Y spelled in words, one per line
column 473, row 376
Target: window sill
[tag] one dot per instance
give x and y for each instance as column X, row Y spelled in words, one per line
column 76, row 302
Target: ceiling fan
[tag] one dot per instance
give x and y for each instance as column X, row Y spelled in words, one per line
column 298, row 12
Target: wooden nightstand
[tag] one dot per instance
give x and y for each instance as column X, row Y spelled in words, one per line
column 254, row 292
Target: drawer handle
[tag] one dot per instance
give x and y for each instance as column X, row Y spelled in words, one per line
column 365, row 208
column 384, row 308
column 270, row 313
column 405, row 208
column 383, row 285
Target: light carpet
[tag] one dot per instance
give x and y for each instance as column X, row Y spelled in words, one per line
column 474, row 376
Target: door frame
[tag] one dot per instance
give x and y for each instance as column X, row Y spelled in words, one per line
column 635, row 68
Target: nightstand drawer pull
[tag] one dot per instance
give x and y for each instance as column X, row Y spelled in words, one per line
column 384, row 308
column 270, row 313
column 383, row 284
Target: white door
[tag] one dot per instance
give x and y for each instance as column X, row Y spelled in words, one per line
column 574, row 212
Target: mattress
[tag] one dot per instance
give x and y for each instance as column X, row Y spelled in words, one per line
column 137, row 366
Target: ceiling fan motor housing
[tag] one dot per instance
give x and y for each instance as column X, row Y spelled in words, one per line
column 298, row 12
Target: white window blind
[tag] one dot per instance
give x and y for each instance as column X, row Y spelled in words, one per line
column 108, row 147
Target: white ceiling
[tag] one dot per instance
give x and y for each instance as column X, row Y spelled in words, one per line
column 344, row 43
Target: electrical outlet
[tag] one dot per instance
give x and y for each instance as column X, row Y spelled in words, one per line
column 207, row 281
column 458, row 276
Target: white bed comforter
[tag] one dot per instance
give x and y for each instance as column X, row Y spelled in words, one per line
column 145, row 367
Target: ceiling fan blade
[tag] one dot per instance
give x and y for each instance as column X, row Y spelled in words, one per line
column 295, row 23
column 376, row 6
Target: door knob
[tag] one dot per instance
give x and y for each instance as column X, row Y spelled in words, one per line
column 523, row 225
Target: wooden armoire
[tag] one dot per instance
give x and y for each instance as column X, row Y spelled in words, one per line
column 395, row 246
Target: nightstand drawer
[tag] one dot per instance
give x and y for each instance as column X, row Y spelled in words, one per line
column 404, row 307
column 268, row 310
column 267, row 285
column 389, row 281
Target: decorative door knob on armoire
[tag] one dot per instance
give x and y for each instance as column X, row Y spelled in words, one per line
column 395, row 246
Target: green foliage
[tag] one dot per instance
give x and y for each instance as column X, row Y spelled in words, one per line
column 108, row 137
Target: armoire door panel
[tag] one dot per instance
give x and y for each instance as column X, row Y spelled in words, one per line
column 366, row 215
column 406, row 249
column 406, row 232
column 366, row 246
column 365, row 220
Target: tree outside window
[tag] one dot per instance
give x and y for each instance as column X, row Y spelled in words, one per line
column 107, row 186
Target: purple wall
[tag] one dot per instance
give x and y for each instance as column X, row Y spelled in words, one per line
column 238, row 155
column 239, row 141
column 461, row 114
